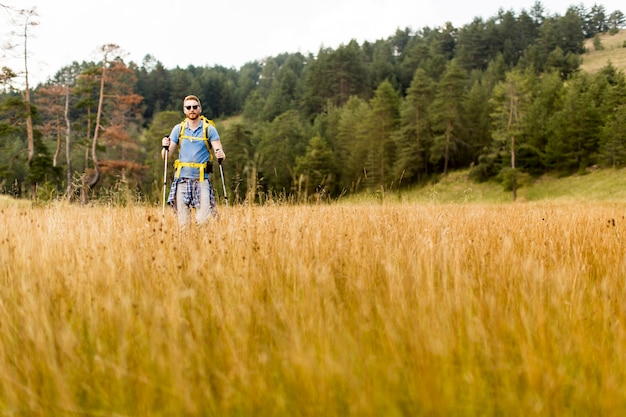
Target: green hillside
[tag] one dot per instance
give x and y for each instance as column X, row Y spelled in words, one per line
column 456, row 187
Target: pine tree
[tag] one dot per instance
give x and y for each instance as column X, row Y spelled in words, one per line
column 446, row 114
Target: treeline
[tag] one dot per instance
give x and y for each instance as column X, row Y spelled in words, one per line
column 503, row 96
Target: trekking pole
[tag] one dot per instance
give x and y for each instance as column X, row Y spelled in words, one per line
column 219, row 162
column 167, row 149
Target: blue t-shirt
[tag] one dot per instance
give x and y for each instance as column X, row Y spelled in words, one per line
column 193, row 150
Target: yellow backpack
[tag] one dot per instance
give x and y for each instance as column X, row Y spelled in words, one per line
column 209, row 165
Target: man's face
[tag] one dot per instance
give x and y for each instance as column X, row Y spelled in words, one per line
column 192, row 109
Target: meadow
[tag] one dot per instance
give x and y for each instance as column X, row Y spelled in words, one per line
column 612, row 49
column 344, row 309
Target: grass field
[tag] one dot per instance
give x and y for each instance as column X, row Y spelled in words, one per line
column 450, row 300
column 613, row 50
column 348, row 309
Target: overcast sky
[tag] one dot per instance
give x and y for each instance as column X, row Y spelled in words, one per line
column 233, row 32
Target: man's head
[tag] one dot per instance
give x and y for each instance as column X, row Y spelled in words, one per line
column 192, row 107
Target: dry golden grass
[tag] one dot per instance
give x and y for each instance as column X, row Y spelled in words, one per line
column 614, row 50
column 336, row 310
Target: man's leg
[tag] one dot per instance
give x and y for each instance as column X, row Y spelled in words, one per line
column 207, row 207
column 182, row 210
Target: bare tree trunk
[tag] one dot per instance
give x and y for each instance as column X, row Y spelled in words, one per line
column 68, row 131
column 88, row 138
column 382, row 159
column 512, row 114
column 84, row 187
column 29, row 125
column 446, row 156
column 514, row 179
column 96, row 134
column 107, row 49
column 29, row 134
column 29, row 118
column 418, row 141
column 57, row 150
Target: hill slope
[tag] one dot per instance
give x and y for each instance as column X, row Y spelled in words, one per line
column 613, row 49
column 596, row 185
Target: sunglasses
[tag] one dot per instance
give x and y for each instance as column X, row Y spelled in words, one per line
column 195, row 107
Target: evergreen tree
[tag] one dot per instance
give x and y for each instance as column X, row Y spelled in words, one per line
column 547, row 100
column 414, row 136
column 511, row 101
column 596, row 21
column 286, row 87
column 567, row 34
column 476, row 121
column 216, row 92
column 248, row 77
column 613, row 140
column 573, row 145
column 413, row 56
column 314, row 170
column 616, row 21
column 472, row 48
column 281, row 142
column 611, row 96
column 334, row 77
column 353, row 134
column 326, row 126
column 253, row 107
column 153, row 84
column 13, row 146
column 382, row 63
column 241, row 166
column 446, row 113
column 385, row 108
column 41, row 171
column 180, row 87
column 400, row 44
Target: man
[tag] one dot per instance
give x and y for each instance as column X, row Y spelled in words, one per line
column 191, row 187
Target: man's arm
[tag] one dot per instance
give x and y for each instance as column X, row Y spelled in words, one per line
column 217, row 148
column 167, row 144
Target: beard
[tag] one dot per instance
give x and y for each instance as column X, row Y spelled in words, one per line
column 193, row 115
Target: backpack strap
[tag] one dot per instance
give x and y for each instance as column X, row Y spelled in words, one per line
column 207, row 123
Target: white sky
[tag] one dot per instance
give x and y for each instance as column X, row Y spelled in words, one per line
column 233, row 32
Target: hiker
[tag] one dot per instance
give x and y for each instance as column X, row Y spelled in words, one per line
column 191, row 187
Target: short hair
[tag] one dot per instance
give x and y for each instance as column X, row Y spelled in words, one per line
column 191, row 97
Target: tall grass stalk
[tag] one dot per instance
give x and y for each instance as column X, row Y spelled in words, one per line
column 333, row 310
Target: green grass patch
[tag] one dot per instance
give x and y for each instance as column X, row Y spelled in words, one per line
column 456, row 187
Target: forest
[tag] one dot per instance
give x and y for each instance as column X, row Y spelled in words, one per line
column 502, row 96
